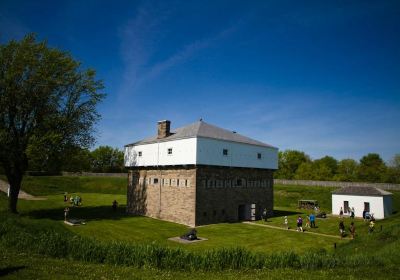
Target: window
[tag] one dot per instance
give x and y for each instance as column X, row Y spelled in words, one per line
column 259, row 155
column 155, row 181
column 170, row 151
column 204, row 214
column 225, row 152
column 223, row 211
column 215, row 212
column 177, row 182
column 140, row 153
column 239, row 182
column 186, row 183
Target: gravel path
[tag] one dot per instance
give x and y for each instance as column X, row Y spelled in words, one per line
column 22, row 195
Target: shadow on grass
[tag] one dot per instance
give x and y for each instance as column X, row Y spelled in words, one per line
column 11, row 269
column 282, row 213
column 85, row 213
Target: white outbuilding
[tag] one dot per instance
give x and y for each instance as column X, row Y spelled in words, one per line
column 364, row 199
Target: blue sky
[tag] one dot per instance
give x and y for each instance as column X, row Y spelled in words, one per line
column 317, row 76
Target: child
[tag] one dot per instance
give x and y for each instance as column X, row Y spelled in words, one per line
column 308, row 222
column 371, row 226
column 341, row 212
column 286, row 223
column 299, row 224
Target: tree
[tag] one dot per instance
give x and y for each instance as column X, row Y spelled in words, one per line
column 78, row 160
column 48, row 103
column 107, row 159
column 372, row 168
column 305, row 171
column 393, row 170
column 347, row 170
column 288, row 163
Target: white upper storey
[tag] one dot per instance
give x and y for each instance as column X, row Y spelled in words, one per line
column 202, row 144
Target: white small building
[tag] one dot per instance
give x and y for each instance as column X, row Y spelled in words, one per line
column 370, row 199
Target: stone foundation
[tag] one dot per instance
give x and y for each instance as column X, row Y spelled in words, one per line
column 198, row 195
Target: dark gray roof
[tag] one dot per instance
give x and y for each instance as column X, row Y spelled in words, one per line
column 203, row 129
column 372, row 191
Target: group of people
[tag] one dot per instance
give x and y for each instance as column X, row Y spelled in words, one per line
column 310, row 223
column 75, row 200
column 352, row 228
column 342, row 229
column 351, row 211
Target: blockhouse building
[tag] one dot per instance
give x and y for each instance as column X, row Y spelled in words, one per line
column 200, row 174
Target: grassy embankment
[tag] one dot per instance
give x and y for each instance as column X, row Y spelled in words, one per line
column 36, row 216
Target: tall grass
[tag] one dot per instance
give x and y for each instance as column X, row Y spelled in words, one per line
column 56, row 243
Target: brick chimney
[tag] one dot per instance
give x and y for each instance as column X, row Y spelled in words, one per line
column 163, row 128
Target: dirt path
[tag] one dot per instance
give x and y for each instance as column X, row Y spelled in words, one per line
column 22, row 195
column 306, row 232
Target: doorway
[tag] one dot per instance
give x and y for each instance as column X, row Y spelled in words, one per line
column 247, row 212
column 242, row 212
column 366, row 206
column 345, row 206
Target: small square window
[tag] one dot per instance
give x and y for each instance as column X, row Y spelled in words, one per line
column 239, row 182
column 225, row 152
column 155, row 181
column 170, row 151
column 259, row 155
column 140, row 153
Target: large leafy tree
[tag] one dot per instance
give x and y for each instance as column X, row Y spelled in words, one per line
column 347, row 170
column 372, row 168
column 107, row 159
column 393, row 171
column 289, row 161
column 48, row 104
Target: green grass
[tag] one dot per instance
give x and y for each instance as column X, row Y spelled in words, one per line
column 46, row 185
column 106, row 225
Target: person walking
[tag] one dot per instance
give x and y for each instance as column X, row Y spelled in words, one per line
column 341, row 212
column 308, row 222
column 265, row 215
column 352, row 215
column 312, row 220
column 300, row 224
column 66, row 211
column 352, row 230
column 286, row 222
column 114, row 205
column 341, row 229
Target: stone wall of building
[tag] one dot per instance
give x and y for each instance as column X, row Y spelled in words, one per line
column 166, row 193
column 221, row 190
column 198, row 195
